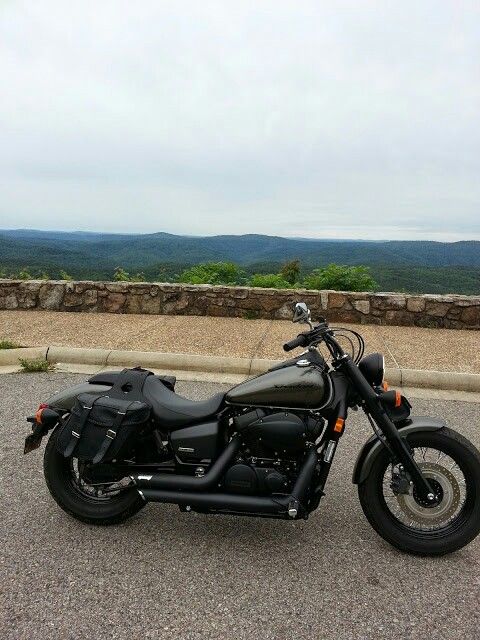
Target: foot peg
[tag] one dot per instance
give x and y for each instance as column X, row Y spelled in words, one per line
column 293, row 507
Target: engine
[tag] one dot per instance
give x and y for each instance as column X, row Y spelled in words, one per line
column 259, row 477
column 275, row 442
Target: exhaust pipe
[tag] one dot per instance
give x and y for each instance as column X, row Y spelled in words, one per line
column 279, row 505
column 157, row 481
column 217, row 501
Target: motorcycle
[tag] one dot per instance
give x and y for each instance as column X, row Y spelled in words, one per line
column 264, row 448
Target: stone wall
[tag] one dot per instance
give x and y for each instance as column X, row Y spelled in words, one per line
column 450, row 311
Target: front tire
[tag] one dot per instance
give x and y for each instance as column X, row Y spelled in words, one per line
column 80, row 502
column 402, row 520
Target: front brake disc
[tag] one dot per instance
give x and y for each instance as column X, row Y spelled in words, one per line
column 447, row 507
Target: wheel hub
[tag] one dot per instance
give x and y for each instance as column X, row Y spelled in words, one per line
column 445, row 486
column 437, row 491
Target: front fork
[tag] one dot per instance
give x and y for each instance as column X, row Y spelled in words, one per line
column 395, row 442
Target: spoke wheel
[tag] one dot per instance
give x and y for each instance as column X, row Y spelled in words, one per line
column 398, row 514
column 448, row 483
column 100, row 503
column 100, row 491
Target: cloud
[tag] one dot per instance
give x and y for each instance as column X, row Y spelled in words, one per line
column 294, row 118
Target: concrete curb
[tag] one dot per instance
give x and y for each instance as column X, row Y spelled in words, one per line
column 11, row 356
column 191, row 366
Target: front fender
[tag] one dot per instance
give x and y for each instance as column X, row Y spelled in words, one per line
column 65, row 399
column 373, row 446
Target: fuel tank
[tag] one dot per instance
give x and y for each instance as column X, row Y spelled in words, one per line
column 295, row 387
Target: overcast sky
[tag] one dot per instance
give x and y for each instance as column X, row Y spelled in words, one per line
column 320, row 119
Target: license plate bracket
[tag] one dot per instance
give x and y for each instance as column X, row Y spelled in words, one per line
column 34, row 440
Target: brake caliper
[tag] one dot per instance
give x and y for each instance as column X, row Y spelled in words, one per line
column 400, row 483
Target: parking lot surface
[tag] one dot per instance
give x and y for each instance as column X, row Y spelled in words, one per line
column 166, row 574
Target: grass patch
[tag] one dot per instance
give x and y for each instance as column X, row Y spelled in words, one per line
column 8, row 344
column 35, row 365
column 250, row 314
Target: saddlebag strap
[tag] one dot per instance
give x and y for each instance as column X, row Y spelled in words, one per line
column 77, row 431
column 110, row 435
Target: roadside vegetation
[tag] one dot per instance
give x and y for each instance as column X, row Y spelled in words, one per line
column 293, row 273
column 9, row 344
column 333, row 276
column 289, row 275
column 35, row 365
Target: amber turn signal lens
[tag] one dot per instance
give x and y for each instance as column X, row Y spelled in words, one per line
column 38, row 415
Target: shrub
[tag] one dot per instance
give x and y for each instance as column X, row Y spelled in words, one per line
column 290, row 271
column 8, row 344
column 64, row 275
column 120, row 275
column 269, row 281
column 341, row 278
column 24, row 274
column 212, row 273
column 250, row 314
column 35, row 365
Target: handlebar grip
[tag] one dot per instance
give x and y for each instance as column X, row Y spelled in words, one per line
column 299, row 341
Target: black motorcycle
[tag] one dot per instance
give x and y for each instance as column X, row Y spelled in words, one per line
column 262, row 449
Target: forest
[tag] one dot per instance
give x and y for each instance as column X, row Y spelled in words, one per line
column 256, row 260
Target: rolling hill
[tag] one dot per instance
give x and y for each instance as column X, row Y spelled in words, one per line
column 411, row 265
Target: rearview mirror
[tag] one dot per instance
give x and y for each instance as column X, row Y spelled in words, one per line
column 302, row 313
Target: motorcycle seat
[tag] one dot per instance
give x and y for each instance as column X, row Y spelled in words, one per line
column 174, row 411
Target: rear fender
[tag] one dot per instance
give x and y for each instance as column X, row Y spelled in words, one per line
column 65, row 399
column 372, row 448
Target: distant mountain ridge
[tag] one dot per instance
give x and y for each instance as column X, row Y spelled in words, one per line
column 413, row 266
column 106, row 250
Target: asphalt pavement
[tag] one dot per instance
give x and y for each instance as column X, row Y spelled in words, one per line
column 167, row 574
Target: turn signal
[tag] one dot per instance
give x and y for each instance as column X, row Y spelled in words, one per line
column 46, row 416
column 38, row 415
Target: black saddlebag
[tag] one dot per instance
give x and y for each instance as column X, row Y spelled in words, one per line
column 102, row 428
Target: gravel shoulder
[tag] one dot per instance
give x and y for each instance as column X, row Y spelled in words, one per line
column 166, row 574
column 404, row 347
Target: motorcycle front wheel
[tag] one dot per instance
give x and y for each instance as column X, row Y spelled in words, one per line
column 452, row 465
column 104, row 504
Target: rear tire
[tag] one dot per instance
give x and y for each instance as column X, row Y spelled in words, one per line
column 60, row 482
column 461, row 529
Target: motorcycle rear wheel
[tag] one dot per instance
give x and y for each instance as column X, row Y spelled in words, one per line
column 80, row 500
column 454, row 470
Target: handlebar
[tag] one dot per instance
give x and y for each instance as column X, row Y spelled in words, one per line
column 322, row 333
column 314, row 336
column 300, row 341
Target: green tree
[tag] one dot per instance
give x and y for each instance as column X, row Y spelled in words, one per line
column 212, row 273
column 23, row 274
column 64, row 275
column 341, row 278
column 269, row 280
column 290, row 271
column 120, row 275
